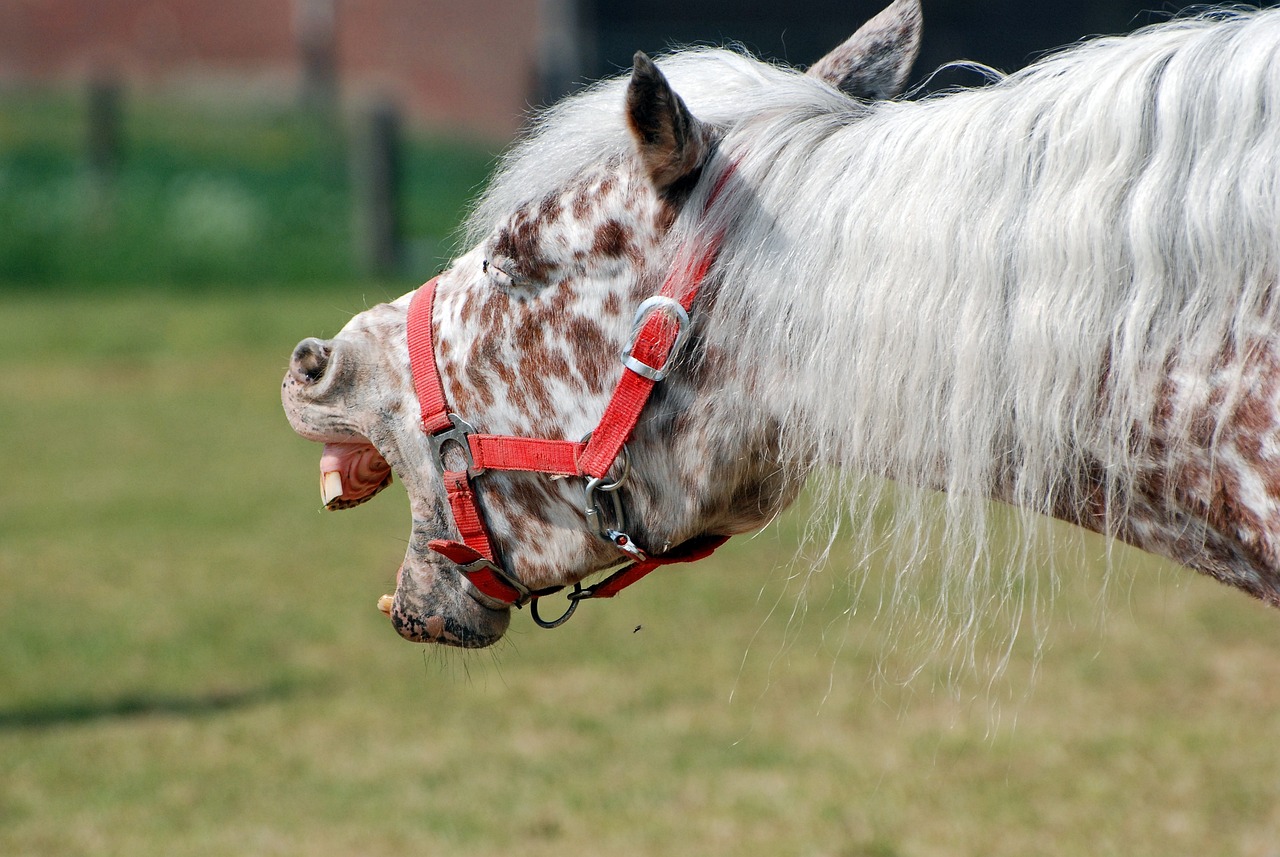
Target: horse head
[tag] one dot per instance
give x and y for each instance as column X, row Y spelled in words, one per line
column 526, row 331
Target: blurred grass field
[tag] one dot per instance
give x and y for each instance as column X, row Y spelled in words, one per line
column 191, row 661
column 203, row 193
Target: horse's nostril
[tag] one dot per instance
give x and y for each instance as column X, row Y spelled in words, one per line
column 310, row 359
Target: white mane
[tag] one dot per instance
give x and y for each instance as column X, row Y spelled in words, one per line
column 944, row 287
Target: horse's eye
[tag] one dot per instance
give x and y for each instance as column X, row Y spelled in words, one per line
column 505, row 276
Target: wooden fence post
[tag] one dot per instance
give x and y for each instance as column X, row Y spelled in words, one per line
column 376, row 181
column 315, row 28
column 103, row 142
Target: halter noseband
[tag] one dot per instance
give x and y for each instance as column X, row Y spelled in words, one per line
column 660, row 328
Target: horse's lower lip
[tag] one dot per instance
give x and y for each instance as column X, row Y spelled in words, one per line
column 440, row 614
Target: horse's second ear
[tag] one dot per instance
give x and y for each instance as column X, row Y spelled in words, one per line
column 671, row 141
column 874, row 62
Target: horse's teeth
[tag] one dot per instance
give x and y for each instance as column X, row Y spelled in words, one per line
column 331, row 486
column 384, row 604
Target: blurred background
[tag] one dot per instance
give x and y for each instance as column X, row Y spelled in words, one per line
column 289, row 141
column 191, row 662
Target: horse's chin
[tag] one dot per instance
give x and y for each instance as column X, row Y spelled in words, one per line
column 437, row 612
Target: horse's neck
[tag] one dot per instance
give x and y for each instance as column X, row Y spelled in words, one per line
column 949, row 321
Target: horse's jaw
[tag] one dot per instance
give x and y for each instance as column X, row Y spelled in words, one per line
column 428, row 607
column 431, row 603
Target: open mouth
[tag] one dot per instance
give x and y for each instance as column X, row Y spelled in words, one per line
column 422, row 609
column 351, row 473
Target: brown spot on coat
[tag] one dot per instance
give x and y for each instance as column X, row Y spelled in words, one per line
column 590, row 353
column 612, row 241
column 612, row 305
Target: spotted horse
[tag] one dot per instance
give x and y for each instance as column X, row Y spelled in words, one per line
column 691, row 289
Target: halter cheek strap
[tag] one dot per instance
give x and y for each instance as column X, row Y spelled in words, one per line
column 659, row 330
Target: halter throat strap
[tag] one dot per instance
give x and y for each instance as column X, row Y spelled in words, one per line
column 660, row 328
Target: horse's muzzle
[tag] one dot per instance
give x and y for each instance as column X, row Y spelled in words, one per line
column 431, row 606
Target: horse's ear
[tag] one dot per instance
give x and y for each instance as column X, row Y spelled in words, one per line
column 671, row 141
column 875, row 61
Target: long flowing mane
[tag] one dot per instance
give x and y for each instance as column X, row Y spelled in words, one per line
column 982, row 292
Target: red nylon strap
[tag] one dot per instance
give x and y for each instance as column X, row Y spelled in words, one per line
column 691, row 551
column 498, row 452
column 483, row 578
column 466, row 512
column 489, row 452
column 652, row 347
column 422, row 360
column 435, row 418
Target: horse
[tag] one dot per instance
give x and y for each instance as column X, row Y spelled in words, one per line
column 691, row 289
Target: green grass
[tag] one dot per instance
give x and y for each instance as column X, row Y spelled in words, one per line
column 205, row 194
column 191, row 662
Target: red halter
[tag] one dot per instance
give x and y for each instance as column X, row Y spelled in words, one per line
column 660, row 327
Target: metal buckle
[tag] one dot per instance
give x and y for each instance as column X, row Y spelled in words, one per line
column 627, row 545
column 483, row 564
column 457, row 434
column 647, row 308
column 595, row 518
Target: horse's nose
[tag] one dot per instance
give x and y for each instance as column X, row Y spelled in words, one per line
column 309, row 360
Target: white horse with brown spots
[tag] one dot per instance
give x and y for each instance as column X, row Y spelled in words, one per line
column 1058, row 291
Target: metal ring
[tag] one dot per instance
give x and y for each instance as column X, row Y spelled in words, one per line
column 556, row 623
column 625, row 455
column 593, row 512
column 600, row 484
column 596, row 483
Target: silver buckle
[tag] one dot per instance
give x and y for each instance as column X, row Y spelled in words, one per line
column 482, row 564
column 457, row 434
column 592, row 511
column 595, row 516
column 647, row 308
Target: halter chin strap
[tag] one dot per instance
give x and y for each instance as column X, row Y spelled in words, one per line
column 660, row 328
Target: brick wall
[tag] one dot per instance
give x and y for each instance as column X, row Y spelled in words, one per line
column 464, row 65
